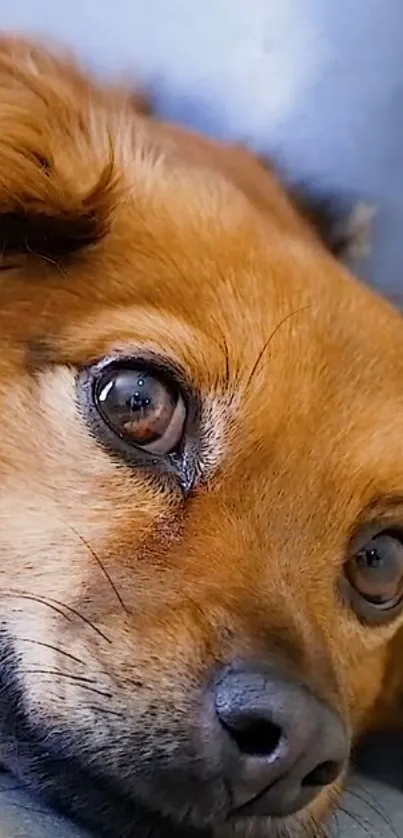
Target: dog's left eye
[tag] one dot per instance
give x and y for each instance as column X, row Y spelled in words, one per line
column 141, row 408
column 375, row 572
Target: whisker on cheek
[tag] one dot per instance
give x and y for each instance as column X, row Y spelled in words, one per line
column 83, row 684
column 52, row 648
column 102, row 567
column 86, row 664
column 59, row 607
column 105, row 711
column 60, row 673
column 33, row 598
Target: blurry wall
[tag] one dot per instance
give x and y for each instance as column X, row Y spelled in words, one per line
column 318, row 83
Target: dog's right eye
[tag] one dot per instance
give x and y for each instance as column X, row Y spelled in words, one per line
column 141, row 408
column 145, row 412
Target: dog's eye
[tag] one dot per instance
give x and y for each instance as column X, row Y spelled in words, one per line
column 141, row 408
column 375, row 572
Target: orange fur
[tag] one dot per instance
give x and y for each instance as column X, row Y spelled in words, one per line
column 121, row 234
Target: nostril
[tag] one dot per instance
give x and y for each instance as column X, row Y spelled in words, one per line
column 254, row 737
column 324, row 774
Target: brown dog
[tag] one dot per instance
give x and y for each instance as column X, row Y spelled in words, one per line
column 201, row 476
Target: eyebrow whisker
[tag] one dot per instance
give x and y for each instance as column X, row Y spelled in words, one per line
column 269, row 340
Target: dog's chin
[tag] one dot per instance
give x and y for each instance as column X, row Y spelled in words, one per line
column 96, row 805
column 103, row 796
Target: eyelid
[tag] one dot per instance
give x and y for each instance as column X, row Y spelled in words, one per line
column 370, row 525
column 149, row 361
column 382, row 506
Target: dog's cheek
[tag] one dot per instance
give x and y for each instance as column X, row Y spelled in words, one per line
column 387, row 713
column 62, row 500
column 56, row 477
column 365, row 685
column 360, row 655
column 83, row 591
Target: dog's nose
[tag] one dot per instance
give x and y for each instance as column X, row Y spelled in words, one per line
column 280, row 744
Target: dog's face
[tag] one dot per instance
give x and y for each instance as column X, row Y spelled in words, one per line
column 201, row 476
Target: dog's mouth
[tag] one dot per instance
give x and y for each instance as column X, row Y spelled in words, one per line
column 97, row 803
column 124, row 783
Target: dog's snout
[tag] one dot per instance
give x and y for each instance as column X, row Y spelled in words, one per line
column 280, row 744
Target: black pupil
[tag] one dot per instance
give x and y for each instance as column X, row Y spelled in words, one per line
column 370, row 558
column 127, row 392
column 140, row 400
column 136, row 404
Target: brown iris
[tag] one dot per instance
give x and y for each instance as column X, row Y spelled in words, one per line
column 376, row 570
column 142, row 408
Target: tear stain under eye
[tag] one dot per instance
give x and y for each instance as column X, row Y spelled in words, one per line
column 188, row 470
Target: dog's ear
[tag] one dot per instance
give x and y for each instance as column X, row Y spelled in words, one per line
column 57, row 181
column 344, row 226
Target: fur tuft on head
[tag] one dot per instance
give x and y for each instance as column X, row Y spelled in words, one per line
column 57, row 176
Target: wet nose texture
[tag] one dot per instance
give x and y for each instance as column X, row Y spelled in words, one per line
column 280, row 744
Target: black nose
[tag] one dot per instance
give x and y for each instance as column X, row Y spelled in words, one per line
column 280, row 744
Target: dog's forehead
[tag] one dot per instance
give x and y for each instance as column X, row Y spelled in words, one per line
column 195, row 269
column 198, row 250
column 243, row 301
column 190, row 260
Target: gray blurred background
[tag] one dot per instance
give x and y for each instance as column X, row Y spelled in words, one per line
column 316, row 83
